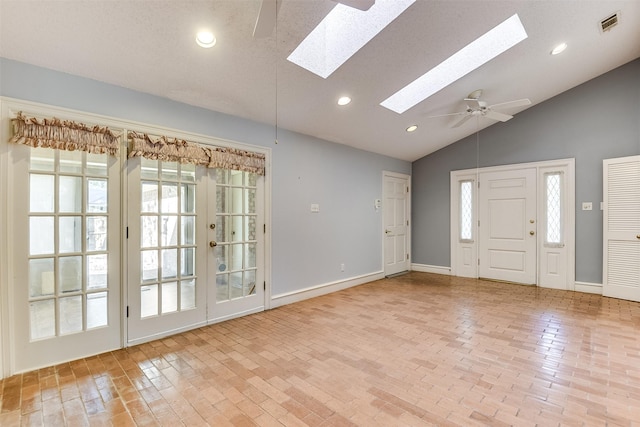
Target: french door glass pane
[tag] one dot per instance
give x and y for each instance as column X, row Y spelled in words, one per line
column 41, row 235
column 97, row 233
column 70, row 239
column 71, row 161
column 96, row 164
column 70, row 314
column 97, row 310
column 70, row 194
column 41, row 279
column 97, row 195
column 42, row 315
column 70, row 274
column 187, row 294
column 150, row 265
column 97, row 271
column 41, row 193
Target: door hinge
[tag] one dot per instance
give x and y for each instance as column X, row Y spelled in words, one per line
column 127, row 232
column 478, row 261
column 264, row 286
column 264, row 228
column 407, row 256
column 407, row 222
column 478, row 223
column 127, row 311
column 478, row 184
column 407, row 189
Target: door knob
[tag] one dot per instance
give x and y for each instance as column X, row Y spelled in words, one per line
column 638, row 236
column 389, row 231
column 213, row 243
column 532, row 232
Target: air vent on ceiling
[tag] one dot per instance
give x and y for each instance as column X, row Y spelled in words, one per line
column 609, row 22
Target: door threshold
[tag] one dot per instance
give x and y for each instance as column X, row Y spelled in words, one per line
column 391, row 276
column 506, row 281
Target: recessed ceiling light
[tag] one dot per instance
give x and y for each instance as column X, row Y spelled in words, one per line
column 343, row 32
column 205, row 39
column 412, row 128
column 478, row 52
column 559, row 49
column 344, row 100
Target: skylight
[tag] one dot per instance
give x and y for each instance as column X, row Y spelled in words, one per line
column 480, row 51
column 343, row 32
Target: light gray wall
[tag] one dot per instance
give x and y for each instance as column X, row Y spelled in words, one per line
column 307, row 249
column 597, row 120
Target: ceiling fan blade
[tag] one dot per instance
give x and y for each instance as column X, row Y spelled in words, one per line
column 497, row 116
column 358, row 4
column 447, row 115
column 267, row 17
column 511, row 104
column 461, row 121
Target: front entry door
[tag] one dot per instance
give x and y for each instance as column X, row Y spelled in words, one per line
column 507, row 227
column 396, row 223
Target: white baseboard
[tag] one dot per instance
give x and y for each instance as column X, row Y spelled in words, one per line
column 424, row 268
column 590, row 288
column 323, row 289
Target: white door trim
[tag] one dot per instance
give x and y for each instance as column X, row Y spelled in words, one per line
column 407, row 178
column 541, row 167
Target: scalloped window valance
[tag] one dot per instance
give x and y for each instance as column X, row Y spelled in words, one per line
column 178, row 150
column 64, row 135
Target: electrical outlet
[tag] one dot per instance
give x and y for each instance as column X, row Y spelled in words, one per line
column 315, row 208
column 341, row 267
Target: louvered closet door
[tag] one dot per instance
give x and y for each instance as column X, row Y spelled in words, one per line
column 621, row 272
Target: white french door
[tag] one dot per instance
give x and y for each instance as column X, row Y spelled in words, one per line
column 396, row 223
column 237, row 264
column 65, row 268
column 167, row 271
column 507, row 227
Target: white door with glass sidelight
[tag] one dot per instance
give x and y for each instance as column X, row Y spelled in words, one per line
column 238, row 245
column 65, row 283
column 166, row 230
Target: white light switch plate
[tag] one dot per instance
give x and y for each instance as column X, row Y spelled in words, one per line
column 587, row 206
column 315, row 208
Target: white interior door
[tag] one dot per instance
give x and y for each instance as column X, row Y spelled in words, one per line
column 621, row 250
column 396, row 223
column 236, row 262
column 167, row 247
column 507, row 228
column 65, row 271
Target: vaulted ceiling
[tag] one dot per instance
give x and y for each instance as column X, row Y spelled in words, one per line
column 149, row 46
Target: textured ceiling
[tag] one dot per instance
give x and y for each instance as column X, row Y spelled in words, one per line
column 149, row 46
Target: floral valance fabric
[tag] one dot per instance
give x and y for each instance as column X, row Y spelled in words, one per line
column 64, row 135
column 178, row 150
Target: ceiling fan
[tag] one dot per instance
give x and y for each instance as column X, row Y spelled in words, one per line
column 478, row 108
column 268, row 14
